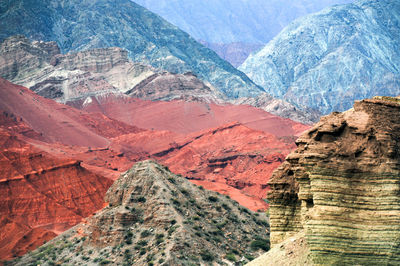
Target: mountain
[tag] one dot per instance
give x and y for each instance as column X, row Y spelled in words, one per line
column 235, row 27
column 70, row 77
column 156, row 217
column 82, row 25
column 329, row 59
column 338, row 191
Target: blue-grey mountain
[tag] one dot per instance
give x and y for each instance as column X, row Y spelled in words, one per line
column 84, row 24
column 329, row 59
column 231, row 27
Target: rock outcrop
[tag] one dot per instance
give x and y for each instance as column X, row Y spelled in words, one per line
column 341, row 187
column 281, row 108
column 156, row 217
column 166, row 86
column 56, row 122
column 231, row 159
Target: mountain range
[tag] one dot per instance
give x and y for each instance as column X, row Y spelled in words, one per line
column 149, row 39
column 77, row 76
column 327, row 60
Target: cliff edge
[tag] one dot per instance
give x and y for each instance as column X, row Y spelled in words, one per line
column 341, row 187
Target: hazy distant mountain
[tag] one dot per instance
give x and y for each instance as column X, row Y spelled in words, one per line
column 227, row 21
column 331, row 58
column 83, row 24
column 241, row 22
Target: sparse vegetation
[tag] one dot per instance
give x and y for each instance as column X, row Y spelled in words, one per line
column 260, row 243
column 231, row 257
column 207, row 255
column 212, row 198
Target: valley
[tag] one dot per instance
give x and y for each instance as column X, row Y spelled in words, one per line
column 205, row 133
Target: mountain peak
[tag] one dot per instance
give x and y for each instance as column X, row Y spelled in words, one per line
column 329, row 59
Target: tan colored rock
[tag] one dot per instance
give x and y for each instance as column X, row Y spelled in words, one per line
column 341, row 187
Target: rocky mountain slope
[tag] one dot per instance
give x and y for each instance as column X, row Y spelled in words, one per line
column 81, row 25
column 156, row 217
column 234, row 28
column 41, row 67
column 42, row 194
column 340, row 187
column 329, row 59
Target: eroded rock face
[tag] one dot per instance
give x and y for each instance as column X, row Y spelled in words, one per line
column 281, row 108
column 42, row 195
column 341, row 186
column 76, row 76
column 166, row 86
column 156, row 216
column 87, row 24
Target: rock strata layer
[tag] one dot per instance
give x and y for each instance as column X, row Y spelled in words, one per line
column 71, row 77
column 341, row 187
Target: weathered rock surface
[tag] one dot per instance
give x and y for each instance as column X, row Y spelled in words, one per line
column 41, row 195
column 231, row 159
column 341, row 187
column 329, row 59
column 56, row 122
column 167, row 86
column 281, row 108
column 292, row 252
column 157, row 217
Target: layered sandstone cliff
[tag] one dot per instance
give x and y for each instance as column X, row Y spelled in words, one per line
column 341, row 187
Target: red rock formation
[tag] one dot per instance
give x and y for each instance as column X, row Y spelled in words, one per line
column 231, row 155
column 56, row 122
column 42, row 195
column 42, row 145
